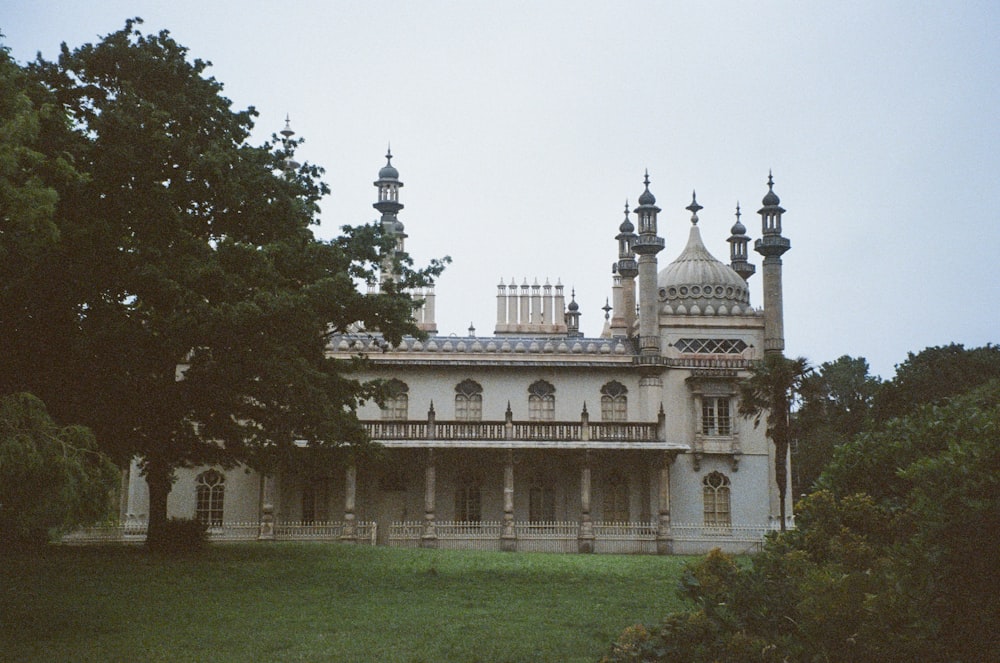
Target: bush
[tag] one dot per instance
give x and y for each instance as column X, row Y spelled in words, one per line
column 181, row 535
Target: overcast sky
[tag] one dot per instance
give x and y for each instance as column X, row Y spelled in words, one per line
column 521, row 128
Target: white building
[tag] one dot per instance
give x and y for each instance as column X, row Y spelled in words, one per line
column 537, row 438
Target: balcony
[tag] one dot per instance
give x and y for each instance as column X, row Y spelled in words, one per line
column 508, row 433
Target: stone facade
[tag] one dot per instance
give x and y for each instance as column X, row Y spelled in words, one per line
column 537, row 438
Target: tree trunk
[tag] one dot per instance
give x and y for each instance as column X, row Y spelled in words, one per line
column 160, row 479
column 781, row 477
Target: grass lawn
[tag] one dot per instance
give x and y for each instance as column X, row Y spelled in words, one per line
column 324, row 602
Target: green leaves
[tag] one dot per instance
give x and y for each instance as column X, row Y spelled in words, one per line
column 180, row 243
column 50, row 477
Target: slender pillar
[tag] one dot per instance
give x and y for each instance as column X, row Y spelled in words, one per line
column 664, row 539
column 267, row 489
column 508, row 539
column 429, row 537
column 512, row 306
column 350, row 491
column 585, row 540
column 501, row 307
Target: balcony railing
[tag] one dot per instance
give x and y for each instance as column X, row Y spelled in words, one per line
column 508, row 429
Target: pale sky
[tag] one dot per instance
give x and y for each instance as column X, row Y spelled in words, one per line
column 521, row 128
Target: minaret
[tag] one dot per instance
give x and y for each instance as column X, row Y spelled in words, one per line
column 291, row 165
column 625, row 271
column 388, row 204
column 738, row 249
column 772, row 245
column 646, row 246
column 573, row 317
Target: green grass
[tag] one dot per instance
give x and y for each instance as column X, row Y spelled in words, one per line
column 324, row 602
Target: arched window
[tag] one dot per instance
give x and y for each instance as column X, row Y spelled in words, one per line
column 616, row 500
column 716, row 490
column 541, row 401
column 715, row 417
column 614, row 402
column 468, row 503
column 210, row 497
column 396, row 401
column 468, row 401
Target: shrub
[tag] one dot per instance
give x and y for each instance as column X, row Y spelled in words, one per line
column 181, row 535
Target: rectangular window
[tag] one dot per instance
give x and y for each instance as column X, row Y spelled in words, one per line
column 715, row 417
column 541, row 408
column 395, row 408
column 468, row 504
column 541, row 505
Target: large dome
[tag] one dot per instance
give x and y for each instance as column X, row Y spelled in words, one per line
column 698, row 284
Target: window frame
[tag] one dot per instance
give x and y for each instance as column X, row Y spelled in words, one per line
column 541, row 401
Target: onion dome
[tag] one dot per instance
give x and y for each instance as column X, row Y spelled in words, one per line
column 388, row 171
column 696, row 283
column 738, row 227
column 626, row 226
column 770, row 198
column 646, row 197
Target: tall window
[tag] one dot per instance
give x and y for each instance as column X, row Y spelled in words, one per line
column 468, row 503
column 308, row 504
column 715, row 488
column 541, row 504
column 541, row 401
column 616, row 500
column 468, row 401
column 715, row 418
column 397, row 401
column 210, row 496
column 614, row 402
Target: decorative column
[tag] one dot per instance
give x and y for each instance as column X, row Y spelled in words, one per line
column 267, row 489
column 350, row 492
column 585, row 540
column 508, row 539
column 429, row 538
column 664, row 539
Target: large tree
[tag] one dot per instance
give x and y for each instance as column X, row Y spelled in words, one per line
column 768, row 394
column 836, row 403
column 200, row 300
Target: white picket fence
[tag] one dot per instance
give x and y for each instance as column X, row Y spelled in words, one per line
column 135, row 532
column 554, row 536
column 625, row 538
column 465, row 535
column 698, row 537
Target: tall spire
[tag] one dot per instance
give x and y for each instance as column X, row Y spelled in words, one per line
column 624, row 271
column 388, row 204
column 573, row 317
column 646, row 246
column 738, row 241
column 288, row 145
column 772, row 245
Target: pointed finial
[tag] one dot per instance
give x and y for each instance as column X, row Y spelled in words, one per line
column 737, row 211
column 287, row 131
column 770, row 179
column 694, row 207
column 626, row 207
column 646, row 179
column 388, row 154
column 607, row 309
